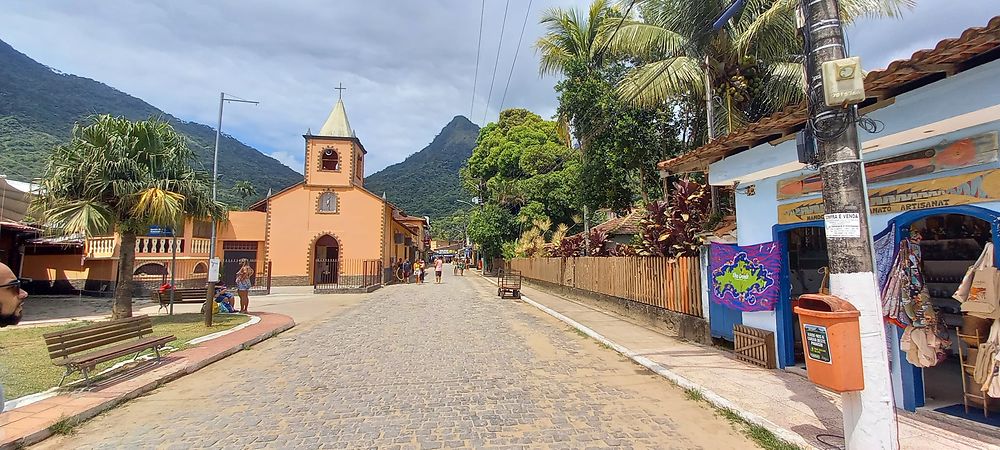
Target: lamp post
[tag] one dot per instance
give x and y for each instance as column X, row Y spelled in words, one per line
column 468, row 244
column 213, row 266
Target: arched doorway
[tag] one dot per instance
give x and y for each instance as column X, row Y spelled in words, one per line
column 326, row 254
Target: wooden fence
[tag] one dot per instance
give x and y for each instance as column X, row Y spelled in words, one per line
column 672, row 284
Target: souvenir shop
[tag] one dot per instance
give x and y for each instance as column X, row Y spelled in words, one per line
column 933, row 177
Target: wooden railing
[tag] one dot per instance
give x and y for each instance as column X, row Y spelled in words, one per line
column 672, row 284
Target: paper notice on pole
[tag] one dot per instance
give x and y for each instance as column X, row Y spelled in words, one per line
column 844, row 225
column 213, row 270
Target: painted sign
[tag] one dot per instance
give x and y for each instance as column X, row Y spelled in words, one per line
column 745, row 278
column 817, row 343
column 964, row 189
column 968, row 152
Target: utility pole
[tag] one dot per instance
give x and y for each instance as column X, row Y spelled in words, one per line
column 869, row 415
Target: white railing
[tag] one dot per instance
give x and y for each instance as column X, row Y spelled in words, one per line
column 200, row 246
column 157, row 245
column 101, row 247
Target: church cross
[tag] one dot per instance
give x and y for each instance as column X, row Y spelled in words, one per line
column 340, row 90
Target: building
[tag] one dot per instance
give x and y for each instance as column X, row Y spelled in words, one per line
column 325, row 230
column 932, row 171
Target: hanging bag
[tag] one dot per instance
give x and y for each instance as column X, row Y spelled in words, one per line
column 984, row 294
column 985, row 260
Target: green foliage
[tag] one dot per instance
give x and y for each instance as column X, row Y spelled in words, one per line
column 451, row 228
column 491, row 225
column 40, row 107
column 245, row 190
column 427, row 182
column 124, row 176
column 754, row 61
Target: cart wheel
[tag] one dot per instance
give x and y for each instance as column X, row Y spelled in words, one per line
column 500, row 293
column 517, row 294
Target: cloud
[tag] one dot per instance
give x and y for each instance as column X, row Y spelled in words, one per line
column 409, row 67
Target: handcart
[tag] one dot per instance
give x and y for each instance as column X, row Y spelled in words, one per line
column 509, row 281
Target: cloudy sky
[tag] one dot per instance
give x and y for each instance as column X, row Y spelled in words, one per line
column 408, row 66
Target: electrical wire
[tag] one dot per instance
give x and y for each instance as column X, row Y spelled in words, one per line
column 479, row 49
column 503, row 24
column 604, row 47
column 516, row 50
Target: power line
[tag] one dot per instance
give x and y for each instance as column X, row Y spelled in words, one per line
column 496, row 63
column 479, row 49
column 613, row 33
column 516, row 50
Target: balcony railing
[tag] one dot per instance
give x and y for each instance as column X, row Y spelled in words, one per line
column 107, row 246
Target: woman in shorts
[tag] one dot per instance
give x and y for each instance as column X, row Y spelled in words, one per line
column 244, row 280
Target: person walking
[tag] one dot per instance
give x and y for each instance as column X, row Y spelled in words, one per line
column 438, row 267
column 244, row 280
column 12, row 298
column 407, row 271
column 418, row 271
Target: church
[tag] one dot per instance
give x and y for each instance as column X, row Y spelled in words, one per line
column 329, row 229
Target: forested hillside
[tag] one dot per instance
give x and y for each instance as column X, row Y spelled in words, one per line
column 38, row 107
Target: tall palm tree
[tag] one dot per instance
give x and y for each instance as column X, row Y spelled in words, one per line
column 754, row 62
column 124, row 176
column 244, row 190
column 573, row 38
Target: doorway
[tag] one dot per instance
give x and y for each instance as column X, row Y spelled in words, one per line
column 326, row 255
column 808, row 265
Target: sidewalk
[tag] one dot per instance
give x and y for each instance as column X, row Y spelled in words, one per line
column 787, row 404
column 31, row 423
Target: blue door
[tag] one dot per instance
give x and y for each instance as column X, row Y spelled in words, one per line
column 721, row 320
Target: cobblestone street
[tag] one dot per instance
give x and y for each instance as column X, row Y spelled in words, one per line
column 417, row 366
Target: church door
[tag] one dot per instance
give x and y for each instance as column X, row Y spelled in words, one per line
column 327, row 268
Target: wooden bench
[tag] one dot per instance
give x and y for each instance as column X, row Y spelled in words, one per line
column 74, row 349
column 183, row 295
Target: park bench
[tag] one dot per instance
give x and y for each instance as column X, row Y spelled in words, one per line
column 81, row 349
column 183, row 295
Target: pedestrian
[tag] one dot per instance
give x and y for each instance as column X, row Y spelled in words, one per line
column 407, row 271
column 11, row 303
column 244, row 280
column 438, row 267
column 418, row 270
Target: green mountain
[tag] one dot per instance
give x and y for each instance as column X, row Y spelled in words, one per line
column 426, row 183
column 39, row 105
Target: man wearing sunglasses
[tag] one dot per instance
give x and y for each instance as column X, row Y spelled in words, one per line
column 11, row 299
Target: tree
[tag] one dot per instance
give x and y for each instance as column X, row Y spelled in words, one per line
column 124, row 176
column 573, row 39
column 754, row 62
column 491, row 226
column 244, row 190
column 451, row 228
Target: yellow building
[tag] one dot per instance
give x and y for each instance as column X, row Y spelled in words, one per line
column 325, row 230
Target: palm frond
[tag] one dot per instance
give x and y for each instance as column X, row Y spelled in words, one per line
column 659, row 81
column 80, row 216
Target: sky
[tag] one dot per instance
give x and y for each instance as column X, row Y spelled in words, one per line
column 409, row 66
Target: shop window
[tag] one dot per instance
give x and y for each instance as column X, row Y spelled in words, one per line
column 328, row 202
column 330, row 159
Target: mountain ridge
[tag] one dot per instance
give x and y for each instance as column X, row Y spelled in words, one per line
column 40, row 104
column 426, row 183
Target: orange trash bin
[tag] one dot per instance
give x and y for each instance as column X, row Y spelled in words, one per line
column 831, row 341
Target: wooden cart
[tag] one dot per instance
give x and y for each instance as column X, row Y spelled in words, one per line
column 509, row 281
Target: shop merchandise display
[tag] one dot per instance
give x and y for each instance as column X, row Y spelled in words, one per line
column 906, row 302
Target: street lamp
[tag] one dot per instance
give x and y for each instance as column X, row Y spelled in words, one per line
column 213, row 266
column 468, row 244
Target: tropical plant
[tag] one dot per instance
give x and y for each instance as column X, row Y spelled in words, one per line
column 754, row 62
column 244, row 190
column 490, row 226
column 123, row 176
column 573, row 38
column 672, row 229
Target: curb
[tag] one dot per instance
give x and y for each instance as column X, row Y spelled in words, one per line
column 175, row 373
column 709, row 395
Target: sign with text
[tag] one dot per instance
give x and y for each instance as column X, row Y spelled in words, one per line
column 844, row 225
column 964, row 189
column 213, row 270
column 745, row 278
column 968, row 152
column 817, row 343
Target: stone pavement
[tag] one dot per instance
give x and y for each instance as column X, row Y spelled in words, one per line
column 779, row 399
column 417, row 366
column 31, row 423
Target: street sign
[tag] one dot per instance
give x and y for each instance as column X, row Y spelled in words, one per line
column 213, row 270
column 158, row 231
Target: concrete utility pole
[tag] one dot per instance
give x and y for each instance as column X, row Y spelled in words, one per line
column 869, row 415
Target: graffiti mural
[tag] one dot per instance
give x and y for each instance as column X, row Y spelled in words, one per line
column 745, row 278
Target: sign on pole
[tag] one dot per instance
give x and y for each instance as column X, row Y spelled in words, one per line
column 213, row 270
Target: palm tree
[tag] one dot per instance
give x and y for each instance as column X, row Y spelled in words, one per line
column 754, row 62
column 244, row 190
column 573, row 38
column 124, row 176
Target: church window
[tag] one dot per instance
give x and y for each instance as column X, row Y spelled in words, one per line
column 328, row 202
column 331, row 160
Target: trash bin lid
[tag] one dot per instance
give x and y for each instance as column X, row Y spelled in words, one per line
column 827, row 306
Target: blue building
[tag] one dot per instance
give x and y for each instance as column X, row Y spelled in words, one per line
column 932, row 170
